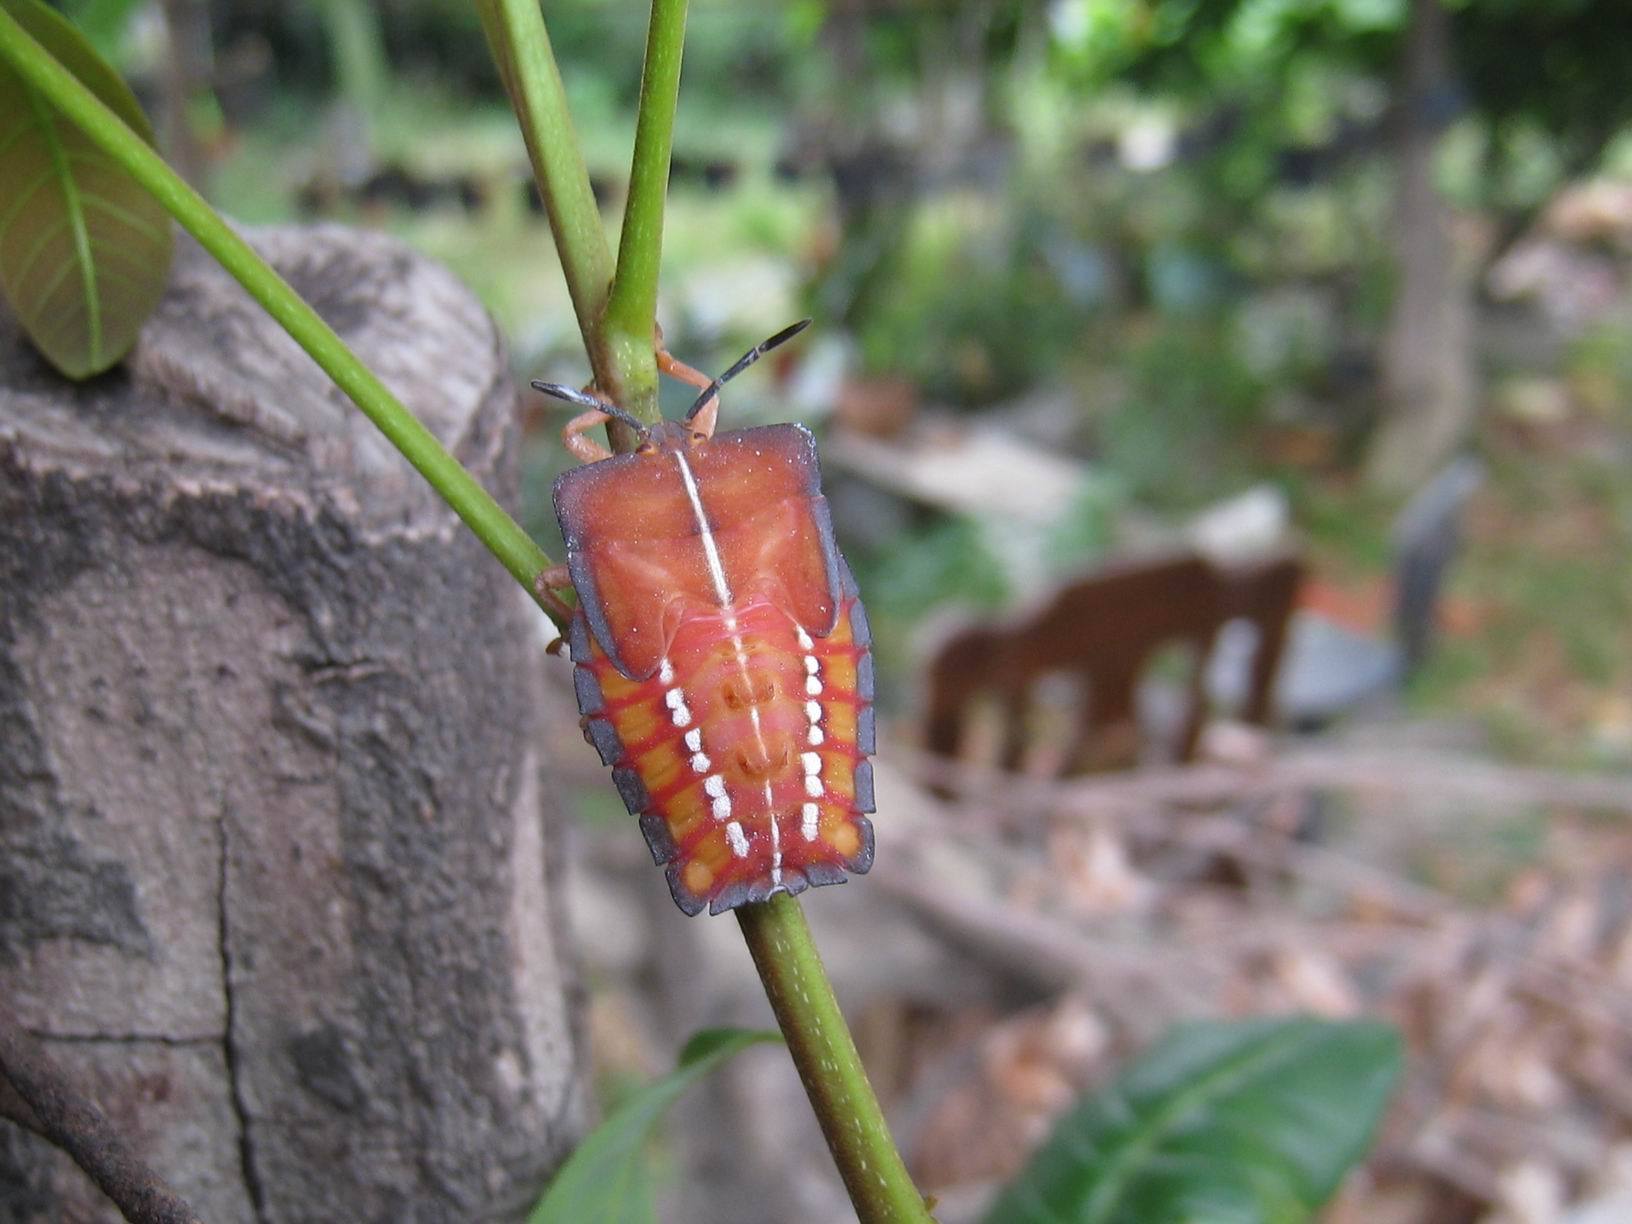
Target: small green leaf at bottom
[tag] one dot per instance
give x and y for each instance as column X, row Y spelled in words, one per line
column 1247, row 1122
column 606, row 1181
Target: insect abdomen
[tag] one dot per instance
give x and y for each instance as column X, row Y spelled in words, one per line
column 745, row 753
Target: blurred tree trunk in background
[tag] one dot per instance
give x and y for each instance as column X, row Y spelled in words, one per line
column 273, row 875
column 189, row 73
column 873, row 178
column 356, row 45
column 1428, row 387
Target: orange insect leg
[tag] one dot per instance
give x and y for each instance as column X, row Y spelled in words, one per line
column 545, row 586
column 582, row 448
column 678, row 370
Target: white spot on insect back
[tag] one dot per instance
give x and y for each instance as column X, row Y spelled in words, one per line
column 694, row 740
column 665, row 671
column 813, row 786
column 813, row 711
column 700, row 763
column 675, row 699
column 719, row 801
column 804, row 638
column 812, row 761
column 738, row 839
column 813, row 686
column 814, row 735
column 811, row 816
column 812, row 665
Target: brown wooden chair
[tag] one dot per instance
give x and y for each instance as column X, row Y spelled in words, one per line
column 1070, row 671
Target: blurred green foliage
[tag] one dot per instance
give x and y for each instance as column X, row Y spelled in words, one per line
column 1168, row 216
column 1180, row 438
column 973, row 311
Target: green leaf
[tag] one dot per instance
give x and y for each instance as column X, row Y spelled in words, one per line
column 103, row 22
column 84, row 249
column 1230, row 1123
column 607, row 1181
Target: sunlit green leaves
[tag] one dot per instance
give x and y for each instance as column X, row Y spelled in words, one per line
column 1234, row 1123
column 84, row 250
column 607, row 1181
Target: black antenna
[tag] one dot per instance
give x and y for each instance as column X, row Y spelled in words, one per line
column 584, row 400
column 743, row 362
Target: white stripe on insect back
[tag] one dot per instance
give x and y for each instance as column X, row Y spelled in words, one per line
column 714, row 785
column 716, row 566
column 705, row 533
column 776, row 838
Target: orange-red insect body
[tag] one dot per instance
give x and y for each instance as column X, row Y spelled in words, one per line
column 722, row 660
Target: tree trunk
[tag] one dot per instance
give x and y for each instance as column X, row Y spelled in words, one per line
column 1428, row 386
column 273, row 877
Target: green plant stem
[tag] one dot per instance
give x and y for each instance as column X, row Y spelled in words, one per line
column 496, row 529
column 619, row 340
column 631, row 310
column 521, row 49
column 797, row 986
column 775, row 931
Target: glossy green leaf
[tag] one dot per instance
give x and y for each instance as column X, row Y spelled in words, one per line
column 84, row 249
column 608, row 1180
column 1249, row 1122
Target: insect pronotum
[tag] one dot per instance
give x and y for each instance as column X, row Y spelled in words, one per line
column 721, row 656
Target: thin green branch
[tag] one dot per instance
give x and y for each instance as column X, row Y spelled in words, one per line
column 496, row 529
column 631, row 311
column 809, row 1016
column 620, row 341
column 775, row 931
column 521, row 49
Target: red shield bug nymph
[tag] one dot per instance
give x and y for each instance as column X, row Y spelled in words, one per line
column 721, row 655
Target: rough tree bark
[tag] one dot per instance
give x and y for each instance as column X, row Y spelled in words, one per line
column 1428, row 386
column 272, row 871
